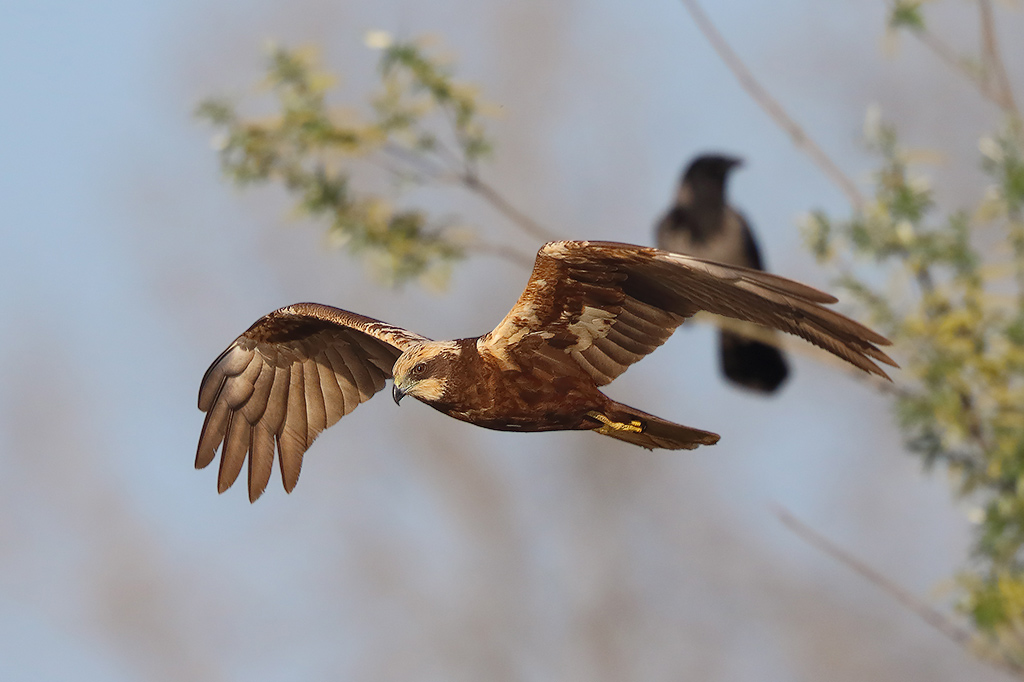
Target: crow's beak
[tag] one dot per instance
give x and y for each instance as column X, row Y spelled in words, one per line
column 397, row 394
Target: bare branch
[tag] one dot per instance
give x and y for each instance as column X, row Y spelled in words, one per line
column 993, row 60
column 506, row 253
column 938, row 620
column 772, row 106
column 950, row 58
column 418, row 163
column 495, row 199
column 1000, row 92
column 948, row 55
column 425, row 168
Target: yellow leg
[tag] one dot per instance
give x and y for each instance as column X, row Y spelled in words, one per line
column 610, row 426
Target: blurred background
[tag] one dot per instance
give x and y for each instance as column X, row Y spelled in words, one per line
column 417, row 547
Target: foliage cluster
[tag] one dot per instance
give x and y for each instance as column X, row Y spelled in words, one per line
column 948, row 288
column 313, row 150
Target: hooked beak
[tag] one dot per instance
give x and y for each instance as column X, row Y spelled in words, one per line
column 397, row 393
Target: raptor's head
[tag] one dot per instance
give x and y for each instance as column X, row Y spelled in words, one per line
column 423, row 371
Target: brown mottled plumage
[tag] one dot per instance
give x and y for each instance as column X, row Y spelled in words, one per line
column 589, row 310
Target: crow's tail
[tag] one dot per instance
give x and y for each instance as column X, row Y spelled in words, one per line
column 752, row 364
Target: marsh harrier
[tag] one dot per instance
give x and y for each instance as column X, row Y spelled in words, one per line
column 589, row 311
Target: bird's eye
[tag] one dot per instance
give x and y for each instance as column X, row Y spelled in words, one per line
column 420, row 368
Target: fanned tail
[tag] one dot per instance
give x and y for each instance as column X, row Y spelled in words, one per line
column 629, row 424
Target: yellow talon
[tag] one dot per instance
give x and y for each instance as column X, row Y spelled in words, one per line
column 610, row 426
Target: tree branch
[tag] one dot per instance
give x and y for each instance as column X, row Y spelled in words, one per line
column 495, row 199
column 419, row 163
column 506, row 253
column 946, row 54
column 1000, row 93
column 993, row 60
column 772, row 106
column 938, row 620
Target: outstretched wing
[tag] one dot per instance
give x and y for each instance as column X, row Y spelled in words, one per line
column 294, row 372
column 607, row 305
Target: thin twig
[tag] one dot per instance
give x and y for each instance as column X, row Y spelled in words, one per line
column 398, row 174
column 469, row 179
column 947, row 54
column 506, row 253
column 418, row 162
column 975, row 423
column 772, row 106
column 993, row 59
column 1000, row 94
column 454, row 162
column 468, row 163
column 495, row 199
column 950, row 58
column 938, row 620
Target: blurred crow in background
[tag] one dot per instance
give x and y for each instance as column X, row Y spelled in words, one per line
column 702, row 224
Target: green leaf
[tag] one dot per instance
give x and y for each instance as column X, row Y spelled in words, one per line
column 906, row 14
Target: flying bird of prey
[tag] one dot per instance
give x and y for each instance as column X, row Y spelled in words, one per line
column 702, row 224
column 589, row 311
